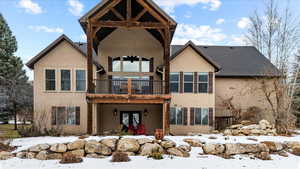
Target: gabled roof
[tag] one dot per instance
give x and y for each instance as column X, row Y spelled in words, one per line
column 193, row 46
column 60, row 39
column 236, row 61
column 103, row 3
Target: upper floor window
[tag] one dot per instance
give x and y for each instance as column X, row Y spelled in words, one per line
column 116, row 64
column 203, row 82
column 80, row 80
column 50, row 79
column 65, row 80
column 130, row 64
column 176, row 116
column 188, row 82
column 174, row 80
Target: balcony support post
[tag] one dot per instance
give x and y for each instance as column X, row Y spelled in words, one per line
column 90, row 86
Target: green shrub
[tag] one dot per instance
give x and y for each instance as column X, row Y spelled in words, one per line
column 156, row 155
column 33, row 131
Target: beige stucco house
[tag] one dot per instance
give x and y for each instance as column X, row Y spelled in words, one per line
column 128, row 74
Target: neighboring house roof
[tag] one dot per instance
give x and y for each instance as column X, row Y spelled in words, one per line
column 62, row 38
column 192, row 45
column 235, row 61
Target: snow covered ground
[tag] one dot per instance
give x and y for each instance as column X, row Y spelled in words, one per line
column 196, row 161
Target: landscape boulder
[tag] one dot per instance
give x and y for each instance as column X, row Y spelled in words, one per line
column 4, row 155
column 193, row 142
column 39, row 147
column 58, row 148
column 142, row 141
column 148, row 148
column 210, row 148
column 42, row 155
column 177, row 152
column 168, row 144
column 78, row 144
column 128, row 145
column 273, row 146
column 110, row 142
column 184, row 148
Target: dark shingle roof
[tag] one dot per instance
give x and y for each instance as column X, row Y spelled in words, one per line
column 236, row 61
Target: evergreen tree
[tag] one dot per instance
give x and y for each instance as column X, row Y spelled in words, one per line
column 13, row 79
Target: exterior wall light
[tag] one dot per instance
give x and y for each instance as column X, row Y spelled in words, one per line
column 145, row 112
column 115, row 113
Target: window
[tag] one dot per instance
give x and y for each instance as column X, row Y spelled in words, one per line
column 203, row 82
column 174, row 80
column 201, row 116
column 188, row 82
column 50, row 79
column 80, row 80
column 66, row 115
column 116, row 65
column 145, row 65
column 176, row 116
column 131, row 64
column 65, row 80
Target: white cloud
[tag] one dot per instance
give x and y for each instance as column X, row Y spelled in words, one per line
column 203, row 34
column 75, row 7
column 188, row 14
column 42, row 28
column 169, row 5
column 220, row 21
column 243, row 23
column 238, row 40
column 30, row 6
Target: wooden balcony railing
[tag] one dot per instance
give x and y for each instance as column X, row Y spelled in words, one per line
column 129, row 86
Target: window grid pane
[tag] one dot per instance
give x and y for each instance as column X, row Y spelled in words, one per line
column 50, row 79
column 188, row 82
column 65, row 80
column 198, row 116
column 203, row 82
column 204, row 119
column 174, row 80
column 80, row 80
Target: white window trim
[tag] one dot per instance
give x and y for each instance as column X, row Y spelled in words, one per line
column 198, row 78
column 75, row 77
column 178, row 90
column 44, row 79
column 71, row 80
column 188, row 82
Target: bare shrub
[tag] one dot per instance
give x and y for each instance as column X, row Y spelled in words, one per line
column 252, row 114
column 120, row 157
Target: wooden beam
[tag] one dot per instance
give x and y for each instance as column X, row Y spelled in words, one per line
column 117, row 14
column 132, row 24
column 129, row 10
column 140, row 15
column 152, row 12
column 161, row 33
column 121, row 101
column 129, row 87
column 90, row 86
column 105, row 10
column 167, row 42
column 126, row 96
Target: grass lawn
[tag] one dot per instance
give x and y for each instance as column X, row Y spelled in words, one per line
column 7, row 131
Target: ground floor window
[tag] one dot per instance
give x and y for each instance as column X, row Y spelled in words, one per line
column 201, row 116
column 176, row 116
column 69, row 115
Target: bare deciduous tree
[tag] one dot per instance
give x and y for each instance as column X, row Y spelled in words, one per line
column 275, row 33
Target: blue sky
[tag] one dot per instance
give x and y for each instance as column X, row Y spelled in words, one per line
column 36, row 23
